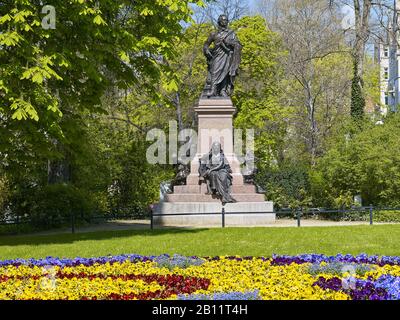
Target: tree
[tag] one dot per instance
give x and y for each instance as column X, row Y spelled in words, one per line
column 366, row 163
column 50, row 73
column 371, row 21
column 190, row 67
column 52, row 80
column 4, row 192
column 258, row 87
column 357, row 96
column 362, row 12
column 233, row 9
column 316, row 67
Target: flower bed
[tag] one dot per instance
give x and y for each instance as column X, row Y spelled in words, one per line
column 128, row 277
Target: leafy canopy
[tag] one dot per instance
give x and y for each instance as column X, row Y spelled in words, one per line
column 45, row 73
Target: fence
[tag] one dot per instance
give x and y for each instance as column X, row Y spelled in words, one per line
column 298, row 213
column 70, row 220
column 370, row 210
column 223, row 215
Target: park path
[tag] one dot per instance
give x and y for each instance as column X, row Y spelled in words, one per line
column 120, row 225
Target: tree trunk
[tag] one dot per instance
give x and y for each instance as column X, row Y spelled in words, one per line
column 177, row 102
column 362, row 14
column 312, row 123
column 59, row 171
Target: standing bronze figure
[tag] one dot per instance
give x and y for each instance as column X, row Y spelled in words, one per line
column 215, row 169
column 223, row 60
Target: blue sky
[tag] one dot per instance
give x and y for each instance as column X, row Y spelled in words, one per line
column 252, row 3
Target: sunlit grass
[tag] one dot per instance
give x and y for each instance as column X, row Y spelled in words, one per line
column 381, row 240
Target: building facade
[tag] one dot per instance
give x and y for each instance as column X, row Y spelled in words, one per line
column 388, row 54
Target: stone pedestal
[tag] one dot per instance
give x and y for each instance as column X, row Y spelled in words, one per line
column 215, row 124
column 208, row 214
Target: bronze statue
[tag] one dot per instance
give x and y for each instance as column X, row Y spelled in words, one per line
column 223, row 60
column 182, row 172
column 249, row 170
column 215, row 169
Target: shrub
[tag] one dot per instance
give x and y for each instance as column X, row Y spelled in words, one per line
column 12, row 229
column 365, row 162
column 349, row 215
column 52, row 205
column 387, row 216
column 60, row 201
column 287, row 185
column 4, row 193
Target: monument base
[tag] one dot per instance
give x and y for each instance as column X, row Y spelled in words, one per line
column 190, row 205
column 209, row 214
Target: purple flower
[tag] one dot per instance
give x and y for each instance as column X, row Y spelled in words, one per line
column 250, row 295
column 65, row 262
column 360, row 290
column 318, row 258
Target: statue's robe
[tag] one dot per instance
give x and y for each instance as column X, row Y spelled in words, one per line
column 220, row 178
column 224, row 66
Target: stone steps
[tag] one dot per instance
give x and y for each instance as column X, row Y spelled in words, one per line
column 198, row 197
column 244, row 189
column 193, row 179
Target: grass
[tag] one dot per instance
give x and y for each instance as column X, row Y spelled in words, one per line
column 380, row 240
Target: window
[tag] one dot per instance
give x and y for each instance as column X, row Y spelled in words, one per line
column 386, row 73
column 386, row 99
column 386, row 52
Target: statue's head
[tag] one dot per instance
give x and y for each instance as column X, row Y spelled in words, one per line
column 223, row 21
column 216, row 148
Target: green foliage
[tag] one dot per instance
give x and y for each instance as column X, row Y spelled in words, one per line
column 357, row 97
column 387, row 216
column 51, row 205
column 54, row 204
column 49, row 74
column 4, row 192
column 91, row 37
column 287, row 186
column 257, row 90
column 52, row 82
column 132, row 184
column 122, row 179
column 13, row 229
column 363, row 162
column 341, row 215
column 372, row 81
column 326, row 81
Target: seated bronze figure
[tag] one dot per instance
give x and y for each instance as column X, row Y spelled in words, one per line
column 216, row 171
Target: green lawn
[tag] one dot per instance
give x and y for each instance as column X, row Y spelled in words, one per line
column 381, row 240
